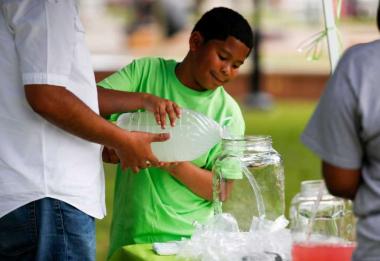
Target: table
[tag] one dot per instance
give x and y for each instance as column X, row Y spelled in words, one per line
column 139, row 252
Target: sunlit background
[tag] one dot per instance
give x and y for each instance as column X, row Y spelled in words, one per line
column 277, row 90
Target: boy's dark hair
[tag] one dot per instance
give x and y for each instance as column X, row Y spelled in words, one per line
column 221, row 22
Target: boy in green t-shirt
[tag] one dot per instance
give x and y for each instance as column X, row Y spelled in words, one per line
column 161, row 204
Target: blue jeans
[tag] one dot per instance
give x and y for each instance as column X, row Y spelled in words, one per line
column 47, row 229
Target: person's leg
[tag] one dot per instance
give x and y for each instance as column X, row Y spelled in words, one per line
column 66, row 233
column 18, row 234
column 47, row 229
column 80, row 231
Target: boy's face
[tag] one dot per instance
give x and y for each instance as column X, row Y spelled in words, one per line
column 215, row 62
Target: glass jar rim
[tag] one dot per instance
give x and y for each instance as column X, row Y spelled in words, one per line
column 258, row 143
column 313, row 187
column 253, row 138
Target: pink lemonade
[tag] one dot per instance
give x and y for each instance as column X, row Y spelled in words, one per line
column 322, row 252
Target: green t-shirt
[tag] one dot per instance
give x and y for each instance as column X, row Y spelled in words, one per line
column 152, row 206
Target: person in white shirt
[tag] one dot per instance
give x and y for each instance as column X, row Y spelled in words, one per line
column 51, row 176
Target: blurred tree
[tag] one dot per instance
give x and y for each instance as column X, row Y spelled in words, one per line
column 257, row 97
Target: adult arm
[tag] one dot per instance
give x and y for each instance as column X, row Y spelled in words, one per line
column 115, row 101
column 335, row 132
column 341, row 182
column 63, row 109
column 44, row 29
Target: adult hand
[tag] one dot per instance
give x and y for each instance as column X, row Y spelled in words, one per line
column 160, row 107
column 135, row 151
column 109, row 156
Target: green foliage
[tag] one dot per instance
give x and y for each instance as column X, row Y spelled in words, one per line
column 284, row 123
column 103, row 226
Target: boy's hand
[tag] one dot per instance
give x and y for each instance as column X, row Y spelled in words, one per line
column 109, row 155
column 169, row 166
column 160, row 107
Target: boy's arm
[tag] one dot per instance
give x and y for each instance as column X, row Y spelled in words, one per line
column 114, row 101
column 341, row 182
column 63, row 109
column 196, row 179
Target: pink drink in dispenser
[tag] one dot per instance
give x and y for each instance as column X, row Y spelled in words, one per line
column 323, row 226
column 322, row 252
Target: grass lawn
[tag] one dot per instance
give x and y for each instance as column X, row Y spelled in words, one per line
column 284, row 123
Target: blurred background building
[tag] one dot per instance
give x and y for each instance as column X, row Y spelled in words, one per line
column 120, row 30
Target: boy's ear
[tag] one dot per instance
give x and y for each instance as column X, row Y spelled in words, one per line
column 195, row 41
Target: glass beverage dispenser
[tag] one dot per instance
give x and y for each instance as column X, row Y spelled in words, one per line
column 322, row 225
column 248, row 181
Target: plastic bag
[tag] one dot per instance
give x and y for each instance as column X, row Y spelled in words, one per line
column 192, row 136
column 219, row 239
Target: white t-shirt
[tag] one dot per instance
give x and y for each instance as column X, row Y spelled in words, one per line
column 42, row 42
column 345, row 132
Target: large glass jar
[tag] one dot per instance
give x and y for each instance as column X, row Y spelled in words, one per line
column 248, row 181
column 315, row 211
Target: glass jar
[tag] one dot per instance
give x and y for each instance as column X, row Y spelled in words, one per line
column 248, row 180
column 330, row 217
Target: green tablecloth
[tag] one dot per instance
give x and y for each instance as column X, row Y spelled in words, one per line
column 139, row 252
